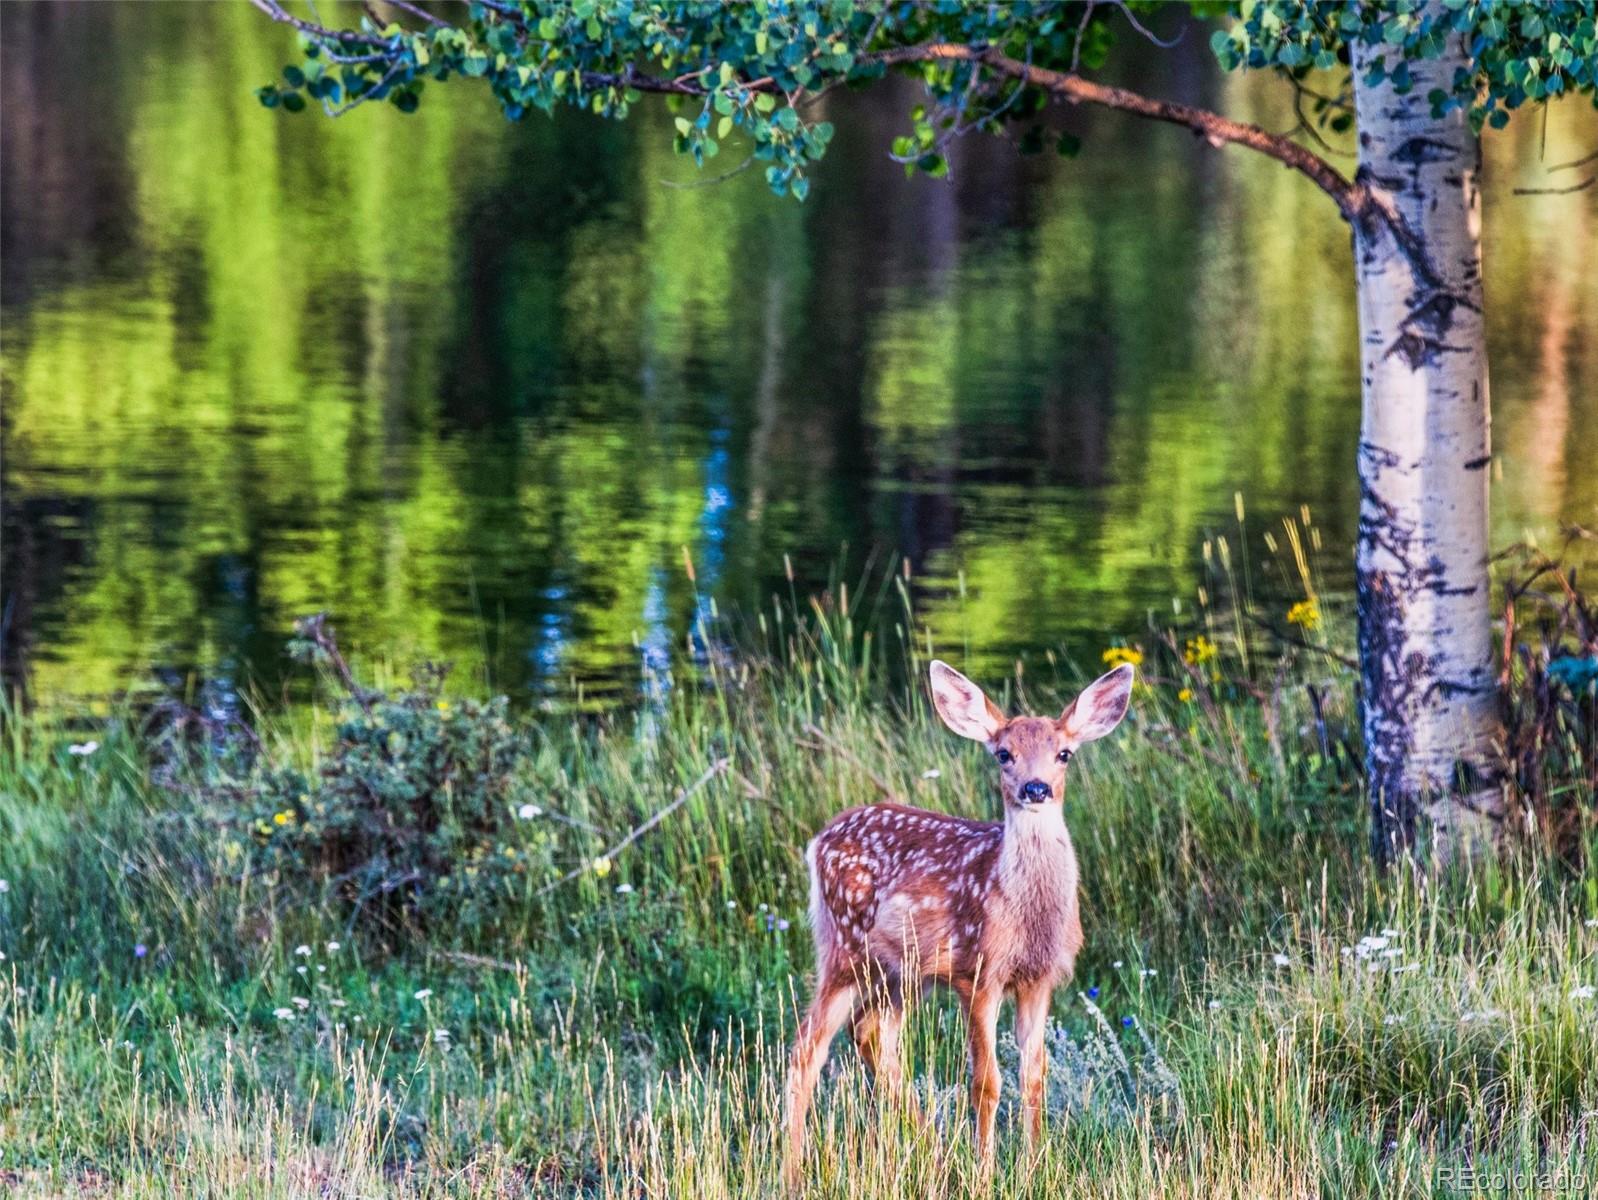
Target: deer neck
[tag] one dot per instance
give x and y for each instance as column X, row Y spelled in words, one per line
column 1036, row 856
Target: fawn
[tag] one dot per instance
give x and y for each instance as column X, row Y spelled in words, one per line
column 901, row 897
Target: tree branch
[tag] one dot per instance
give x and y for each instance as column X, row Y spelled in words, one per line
column 1352, row 199
column 278, row 13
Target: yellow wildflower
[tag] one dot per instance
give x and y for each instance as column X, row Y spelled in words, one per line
column 282, row 818
column 602, row 866
column 1306, row 613
column 1185, row 695
column 1116, row 655
column 1200, row 650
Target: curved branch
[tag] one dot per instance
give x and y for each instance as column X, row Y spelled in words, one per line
column 1352, row 199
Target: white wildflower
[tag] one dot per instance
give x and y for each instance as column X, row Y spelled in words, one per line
column 423, row 994
column 83, row 749
column 1584, row 992
column 1281, row 960
column 283, row 1014
column 624, row 889
column 441, row 1036
column 1116, row 964
column 299, row 970
column 303, row 951
column 300, row 1002
column 338, row 1003
column 332, row 947
column 1591, row 922
column 1214, row 1004
column 528, row 811
column 5, row 886
column 1147, row 972
column 932, row 773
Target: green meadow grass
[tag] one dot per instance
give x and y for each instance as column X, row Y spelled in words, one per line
column 1259, row 1011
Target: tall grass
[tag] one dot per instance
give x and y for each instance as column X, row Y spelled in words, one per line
column 1258, row 1010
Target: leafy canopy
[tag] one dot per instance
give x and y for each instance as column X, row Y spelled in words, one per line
column 759, row 67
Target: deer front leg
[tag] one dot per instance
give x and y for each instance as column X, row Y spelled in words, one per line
column 983, row 1014
column 1031, row 1023
column 829, row 1009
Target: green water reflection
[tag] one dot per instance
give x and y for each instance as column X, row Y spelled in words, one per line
column 476, row 386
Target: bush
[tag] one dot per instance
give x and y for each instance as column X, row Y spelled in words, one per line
column 412, row 812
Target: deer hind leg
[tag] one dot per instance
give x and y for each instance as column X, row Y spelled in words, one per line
column 831, row 1006
column 877, row 1030
column 982, row 1013
column 1031, row 1023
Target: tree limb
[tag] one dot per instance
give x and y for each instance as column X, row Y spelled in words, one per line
column 278, row 13
column 1352, row 199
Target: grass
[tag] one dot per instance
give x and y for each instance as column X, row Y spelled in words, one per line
column 1259, row 1010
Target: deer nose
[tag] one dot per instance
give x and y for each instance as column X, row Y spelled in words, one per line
column 1035, row 791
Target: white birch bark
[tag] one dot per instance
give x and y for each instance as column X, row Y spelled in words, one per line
column 1426, row 657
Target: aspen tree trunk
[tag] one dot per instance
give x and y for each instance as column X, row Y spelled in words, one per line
column 1426, row 658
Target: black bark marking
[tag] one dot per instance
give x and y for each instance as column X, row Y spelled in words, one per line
column 1477, row 464
column 1419, row 149
column 1421, row 336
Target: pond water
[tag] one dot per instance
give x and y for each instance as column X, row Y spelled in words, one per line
column 482, row 390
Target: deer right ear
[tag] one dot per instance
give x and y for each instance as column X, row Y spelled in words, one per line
column 962, row 705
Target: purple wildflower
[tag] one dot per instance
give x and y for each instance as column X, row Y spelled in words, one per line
column 1093, row 993
column 140, row 950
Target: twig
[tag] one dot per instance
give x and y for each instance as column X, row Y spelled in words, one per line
column 1126, row 12
column 1575, row 162
column 837, row 747
column 421, row 13
column 1558, row 191
column 314, row 630
column 695, row 184
column 1301, row 643
column 714, row 769
column 464, row 959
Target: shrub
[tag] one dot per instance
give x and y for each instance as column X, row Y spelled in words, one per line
column 412, row 810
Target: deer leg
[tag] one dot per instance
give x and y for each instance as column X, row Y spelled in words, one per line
column 829, row 1009
column 1031, row 1022
column 865, row 1027
column 983, row 1016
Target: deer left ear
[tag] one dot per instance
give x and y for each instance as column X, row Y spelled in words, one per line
column 1100, row 707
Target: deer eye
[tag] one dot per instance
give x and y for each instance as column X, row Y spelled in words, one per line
column 1064, row 756
column 1004, row 757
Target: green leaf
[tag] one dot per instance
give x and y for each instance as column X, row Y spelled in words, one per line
column 684, row 126
column 723, row 127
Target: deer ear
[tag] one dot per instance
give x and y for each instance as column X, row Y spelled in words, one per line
column 962, row 705
column 1100, row 707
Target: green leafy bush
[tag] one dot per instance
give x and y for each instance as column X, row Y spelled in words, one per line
column 411, row 812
